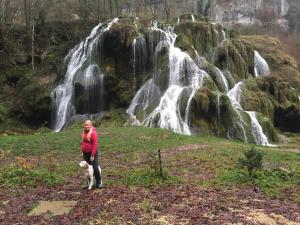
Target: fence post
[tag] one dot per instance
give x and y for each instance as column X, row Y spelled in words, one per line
column 160, row 165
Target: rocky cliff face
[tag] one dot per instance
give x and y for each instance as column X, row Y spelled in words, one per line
column 283, row 12
column 190, row 76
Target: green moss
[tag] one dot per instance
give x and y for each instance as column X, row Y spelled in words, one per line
column 123, row 34
column 214, row 110
column 199, row 35
column 258, row 101
column 161, row 70
column 3, row 113
column 281, row 65
column 212, row 71
column 209, row 83
column 235, row 57
column 268, row 128
column 266, row 95
column 197, row 17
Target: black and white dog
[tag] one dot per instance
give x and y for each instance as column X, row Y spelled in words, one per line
column 89, row 173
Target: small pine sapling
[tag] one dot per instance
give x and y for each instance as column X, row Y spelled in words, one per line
column 252, row 160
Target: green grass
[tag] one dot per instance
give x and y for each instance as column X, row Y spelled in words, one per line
column 127, row 155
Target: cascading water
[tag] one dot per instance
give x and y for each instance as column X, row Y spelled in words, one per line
column 184, row 79
column 261, row 67
column 81, row 66
column 258, row 134
column 169, row 107
column 139, row 50
column 222, row 78
column 193, row 18
column 284, row 7
column 235, row 97
column 218, row 111
column 165, row 99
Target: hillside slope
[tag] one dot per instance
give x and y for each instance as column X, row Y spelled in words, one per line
column 202, row 182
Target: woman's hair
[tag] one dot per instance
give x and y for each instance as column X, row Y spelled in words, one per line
column 88, row 121
column 89, row 134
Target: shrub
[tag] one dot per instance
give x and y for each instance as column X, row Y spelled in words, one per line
column 252, row 160
column 29, row 177
column 3, row 113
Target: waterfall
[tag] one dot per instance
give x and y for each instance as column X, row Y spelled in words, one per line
column 134, row 62
column 261, row 67
column 218, row 110
column 259, row 4
column 140, row 54
column 163, row 108
column 80, row 64
column 178, row 20
column 234, row 95
column 139, row 50
column 224, row 36
column 193, row 18
column 258, row 134
column 223, row 79
column 284, row 7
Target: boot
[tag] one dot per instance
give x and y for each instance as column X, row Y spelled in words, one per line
column 98, row 184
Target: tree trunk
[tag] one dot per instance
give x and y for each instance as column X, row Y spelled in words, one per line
column 98, row 11
column 32, row 45
column 137, row 8
column 167, row 9
column 117, row 7
column 27, row 15
column 1, row 39
column 110, row 8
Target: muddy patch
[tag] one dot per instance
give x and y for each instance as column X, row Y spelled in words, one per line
column 260, row 217
column 56, row 208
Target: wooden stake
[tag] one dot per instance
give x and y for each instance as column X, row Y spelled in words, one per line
column 160, row 165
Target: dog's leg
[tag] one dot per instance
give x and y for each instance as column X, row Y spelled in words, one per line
column 91, row 177
column 91, row 183
column 100, row 176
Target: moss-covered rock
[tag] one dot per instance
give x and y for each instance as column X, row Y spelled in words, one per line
column 273, row 98
column 281, row 64
column 268, row 128
column 189, row 18
column 214, row 110
column 228, row 56
column 200, row 36
column 32, row 101
column 288, row 118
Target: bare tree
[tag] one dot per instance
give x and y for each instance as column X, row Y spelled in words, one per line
column 203, row 6
column 167, row 9
column 8, row 11
column 267, row 16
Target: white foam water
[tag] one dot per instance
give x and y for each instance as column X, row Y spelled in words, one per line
column 75, row 63
column 261, row 67
column 168, row 114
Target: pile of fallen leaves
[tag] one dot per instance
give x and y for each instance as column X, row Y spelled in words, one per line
column 157, row 205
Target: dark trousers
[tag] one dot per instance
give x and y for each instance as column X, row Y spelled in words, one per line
column 95, row 164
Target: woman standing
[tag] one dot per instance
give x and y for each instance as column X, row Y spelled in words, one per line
column 89, row 148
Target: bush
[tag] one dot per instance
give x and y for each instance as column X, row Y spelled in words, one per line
column 29, row 177
column 3, row 113
column 252, row 160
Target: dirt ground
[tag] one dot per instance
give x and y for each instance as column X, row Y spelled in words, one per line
column 157, row 205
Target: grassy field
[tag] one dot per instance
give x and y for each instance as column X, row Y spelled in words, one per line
column 129, row 157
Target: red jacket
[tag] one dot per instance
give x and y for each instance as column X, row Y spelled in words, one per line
column 92, row 145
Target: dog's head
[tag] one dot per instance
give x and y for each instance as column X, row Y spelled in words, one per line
column 83, row 164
